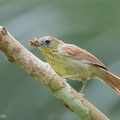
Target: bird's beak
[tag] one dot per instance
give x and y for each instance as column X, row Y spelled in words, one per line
column 35, row 43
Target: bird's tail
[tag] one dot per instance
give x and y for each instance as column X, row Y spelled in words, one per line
column 112, row 81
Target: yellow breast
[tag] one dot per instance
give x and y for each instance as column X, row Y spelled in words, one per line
column 65, row 65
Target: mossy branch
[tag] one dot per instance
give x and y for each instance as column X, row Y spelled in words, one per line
column 18, row 54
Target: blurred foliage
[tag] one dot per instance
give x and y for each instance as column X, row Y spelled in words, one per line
column 91, row 24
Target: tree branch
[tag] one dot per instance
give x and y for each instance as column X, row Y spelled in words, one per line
column 43, row 72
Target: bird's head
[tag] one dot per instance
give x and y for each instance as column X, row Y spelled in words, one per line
column 47, row 43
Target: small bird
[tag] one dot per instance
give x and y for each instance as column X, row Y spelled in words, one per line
column 75, row 63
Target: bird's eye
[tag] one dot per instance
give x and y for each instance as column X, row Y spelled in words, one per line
column 47, row 41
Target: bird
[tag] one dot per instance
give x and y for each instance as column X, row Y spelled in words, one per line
column 75, row 63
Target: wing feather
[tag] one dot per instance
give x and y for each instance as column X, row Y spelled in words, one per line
column 80, row 54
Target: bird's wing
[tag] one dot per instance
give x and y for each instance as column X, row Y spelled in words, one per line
column 79, row 54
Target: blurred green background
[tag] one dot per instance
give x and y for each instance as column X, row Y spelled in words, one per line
column 93, row 25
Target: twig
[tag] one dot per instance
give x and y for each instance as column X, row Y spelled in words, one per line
column 43, row 72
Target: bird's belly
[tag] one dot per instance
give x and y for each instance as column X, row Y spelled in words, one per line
column 78, row 68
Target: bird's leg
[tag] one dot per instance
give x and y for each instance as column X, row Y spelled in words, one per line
column 68, row 76
column 84, row 82
column 83, row 86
